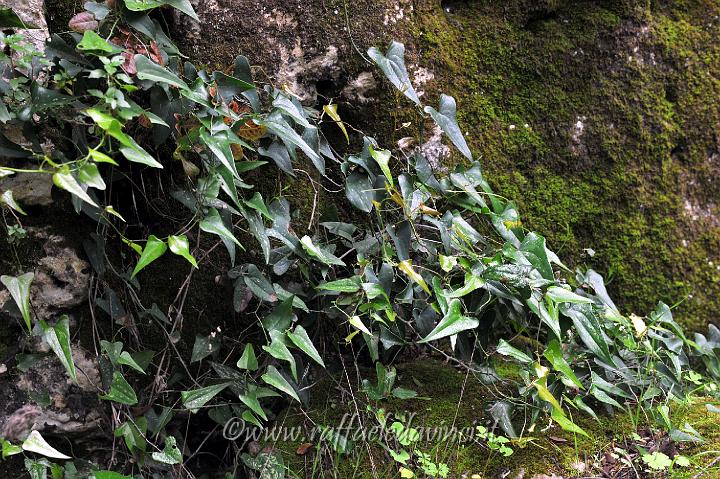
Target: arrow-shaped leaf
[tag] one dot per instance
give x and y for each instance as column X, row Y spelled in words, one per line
column 19, row 288
column 452, row 323
column 154, row 248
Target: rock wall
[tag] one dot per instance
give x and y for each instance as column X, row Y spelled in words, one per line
column 599, row 117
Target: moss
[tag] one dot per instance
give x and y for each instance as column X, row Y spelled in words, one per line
column 450, row 398
column 596, row 119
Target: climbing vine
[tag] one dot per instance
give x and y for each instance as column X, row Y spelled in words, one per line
column 443, row 262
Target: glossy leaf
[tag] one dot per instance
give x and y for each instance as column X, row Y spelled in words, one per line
column 154, row 248
column 452, row 323
column 318, row 253
column 213, row 223
column 279, row 350
column 170, row 454
column 180, row 246
column 58, row 338
column 64, row 180
column 407, row 268
column 141, row 5
column 346, row 285
column 332, row 112
column 37, row 444
column 19, row 288
column 562, row 295
column 300, row 338
column 149, row 70
column 197, row 398
column 506, row 349
column 382, row 158
column 553, row 353
column 120, row 391
column 8, row 200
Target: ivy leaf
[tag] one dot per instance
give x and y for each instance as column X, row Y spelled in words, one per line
column 279, row 350
column 197, row 398
column 141, row 5
column 291, row 109
column 108, row 475
column 382, row 157
column 19, row 288
column 452, row 323
column 204, row 346
column 445, row 119
column 250, row 399
column 120, row 391
column 92, row 42
column 279, row 155
column 64, row 180
column 58, row 338
column 170, row 454
column 213, row 224
column 149, row 70
column 127, row 360
column 37, row 444
column 154, row 248
column 357, row 322
column 562, row 295
column 281, row 318
column 130, row 149
column 553, row 353
column 248, row 360
column 276, row 380
column 180, row 246
column 359, row 191
column 346, row 285
column 316, row 252
column 300, row 338
column 566, row 423
column 9, row 201
column 276, row 124
column 257, row 203
column 392, row 64
column 90, row 175
column 506, row 349
column 590, row 331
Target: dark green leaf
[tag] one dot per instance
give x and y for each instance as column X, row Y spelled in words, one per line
column 445, row 119
column 197, row 398
column 300, row 338
column 392, row 64
column 276, row 380
column 120, row 391
column 452, row 323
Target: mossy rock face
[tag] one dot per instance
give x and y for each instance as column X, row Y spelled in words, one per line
column 600, row 119
column 451, row 402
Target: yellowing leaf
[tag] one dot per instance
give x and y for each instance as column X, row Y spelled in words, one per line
column 331, row 110
column 407, row 268
column 639, row 325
